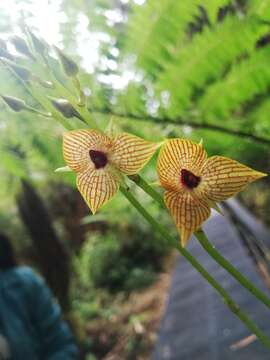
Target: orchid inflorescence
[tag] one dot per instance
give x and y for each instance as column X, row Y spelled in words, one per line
column 193, row 184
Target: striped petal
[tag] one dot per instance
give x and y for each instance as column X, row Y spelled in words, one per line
column 130, row 153
column 223, row 177
column 188, row 212
column 97, row 187
column 76, row 146
column 175, row 155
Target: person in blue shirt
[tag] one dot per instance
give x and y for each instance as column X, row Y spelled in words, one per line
column 31, row 327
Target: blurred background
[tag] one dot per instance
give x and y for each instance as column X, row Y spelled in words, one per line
column 158, row 68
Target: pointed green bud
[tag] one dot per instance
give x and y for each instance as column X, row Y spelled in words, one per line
column 3, row 44
column 5, row 54
column 45, row 83
column 14, row 103
column 65, row 108
column 21, row 46
column 38, row 44
column 21, row 71
column 70, row 67
column 63, row 169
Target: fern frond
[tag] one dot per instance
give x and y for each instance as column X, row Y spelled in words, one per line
column 156, row 29
column 247, row 79
column 206, row 59
column 159, row 28
column 261, row 8
column 259, row 119
column 212, row 7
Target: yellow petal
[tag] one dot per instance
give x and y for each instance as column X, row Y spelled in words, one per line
column 76, row 146
column 97, row 187
column 130, row 153
column 175, row 155
column 188, row 212
column 223, row 177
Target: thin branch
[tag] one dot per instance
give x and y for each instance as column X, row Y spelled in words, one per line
column 182, row 122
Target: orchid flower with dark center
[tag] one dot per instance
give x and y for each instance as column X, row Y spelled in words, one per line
column 193, row 184
column 99, row 161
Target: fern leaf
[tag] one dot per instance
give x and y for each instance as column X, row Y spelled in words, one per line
column 156, row 28
column 246, row 80
column 206, row 59
column 212, row 7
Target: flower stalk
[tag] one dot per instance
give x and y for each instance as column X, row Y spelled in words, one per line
column 208, row 247
column 227, row 299
column 205, row 243
column 176, row 244
column 173, row 242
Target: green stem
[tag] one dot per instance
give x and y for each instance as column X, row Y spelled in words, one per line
column 36, row 111
column 47, row 105
column 182, row 122
column 147, row 188
column 34, row 92
column 173, row 242
column 202, row 238
column 205, row 243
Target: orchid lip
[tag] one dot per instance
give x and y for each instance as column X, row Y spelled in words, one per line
column 189, row 180
column 99, row 158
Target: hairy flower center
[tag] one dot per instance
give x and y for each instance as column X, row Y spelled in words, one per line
column 189, row 180
column 99, row 158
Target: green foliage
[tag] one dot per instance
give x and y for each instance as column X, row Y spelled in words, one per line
column 121, row 260
column 153, row 33
column 246, row 79
column 207, row 59
column 212, row 8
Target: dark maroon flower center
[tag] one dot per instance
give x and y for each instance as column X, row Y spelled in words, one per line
column 189, row 180
column 99, row 158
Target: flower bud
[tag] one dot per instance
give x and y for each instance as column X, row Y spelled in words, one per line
column 45, row 83
column 3, row 44
column 21, row 46
column 38, row 44
column 5, row 54
column 65, row 108
column 14, row 103
column 70, row 67
column 20, row 71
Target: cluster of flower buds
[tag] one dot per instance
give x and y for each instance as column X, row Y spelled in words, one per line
column 24, row 74
column 37, row 50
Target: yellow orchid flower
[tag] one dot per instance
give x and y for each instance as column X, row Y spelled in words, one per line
column 99, row 161
column 194, row 183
